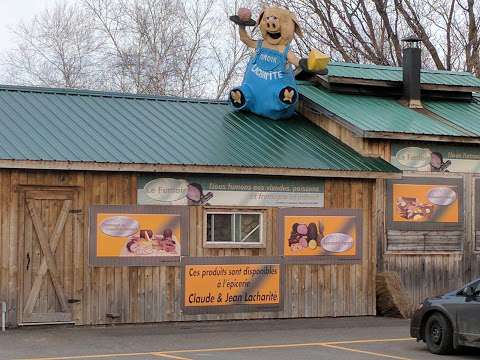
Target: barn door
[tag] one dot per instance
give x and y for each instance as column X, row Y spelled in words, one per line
column 46, row 252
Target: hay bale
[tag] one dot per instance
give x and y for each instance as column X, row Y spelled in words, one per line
column 392, row 297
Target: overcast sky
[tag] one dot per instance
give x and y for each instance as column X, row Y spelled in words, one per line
column 13, row 11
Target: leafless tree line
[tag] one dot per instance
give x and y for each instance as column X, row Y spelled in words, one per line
column 164, row 47
column 370, row 31
column 189, row 48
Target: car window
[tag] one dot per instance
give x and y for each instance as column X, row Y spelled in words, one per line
column 476, row 286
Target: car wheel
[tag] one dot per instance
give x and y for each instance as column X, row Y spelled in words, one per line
column 439, row 334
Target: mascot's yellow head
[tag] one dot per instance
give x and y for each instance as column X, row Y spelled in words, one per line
column 278, row 26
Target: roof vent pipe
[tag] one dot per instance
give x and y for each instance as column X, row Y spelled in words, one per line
column 412, row 63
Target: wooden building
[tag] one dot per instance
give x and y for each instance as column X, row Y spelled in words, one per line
column 65, row 154
column 435, row 143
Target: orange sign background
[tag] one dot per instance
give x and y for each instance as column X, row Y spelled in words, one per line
column 441, row 214
column 114, row 246
column 232, row 284
column 332, row 224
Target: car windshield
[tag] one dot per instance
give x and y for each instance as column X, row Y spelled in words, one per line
column 475, row 286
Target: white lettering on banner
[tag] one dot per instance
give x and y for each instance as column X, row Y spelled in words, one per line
column 268, row 58
column 174, row 191
column 266, row 75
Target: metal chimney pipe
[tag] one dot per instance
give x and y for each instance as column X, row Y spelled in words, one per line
column 411, row 72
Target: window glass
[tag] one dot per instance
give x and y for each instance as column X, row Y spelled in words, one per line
column 476, row 288
column 234, row 227
column 248, row 227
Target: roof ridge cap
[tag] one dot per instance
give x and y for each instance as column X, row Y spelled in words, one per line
column 379, row 67
column 399, row 68
column 105, row 94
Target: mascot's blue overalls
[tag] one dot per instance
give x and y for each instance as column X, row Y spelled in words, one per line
column 268, row 88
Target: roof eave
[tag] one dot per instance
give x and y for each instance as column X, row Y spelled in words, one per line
column 325, row 112
column 397, row 84
column 368, row 134
column 420, row 137
column 211, row 169
column 365, row 82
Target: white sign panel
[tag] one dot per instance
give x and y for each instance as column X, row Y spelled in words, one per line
column 232, row 191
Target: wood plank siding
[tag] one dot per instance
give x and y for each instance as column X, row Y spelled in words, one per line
column 428, row 263
column 104, row 295
column 432, row 262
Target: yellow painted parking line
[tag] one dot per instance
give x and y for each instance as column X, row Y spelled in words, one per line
column 367, row 341
column 183, row 351
column 365, row 352
column 170, row 356
column 93, row 356
column 225, row 349
column 239, row 348
column 282, row 346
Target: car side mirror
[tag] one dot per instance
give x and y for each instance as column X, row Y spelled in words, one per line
column 469, row 291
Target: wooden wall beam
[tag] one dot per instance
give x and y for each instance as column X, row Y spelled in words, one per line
column 212, row 169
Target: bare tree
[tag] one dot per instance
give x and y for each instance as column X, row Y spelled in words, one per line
column 370, row 30
column 189, row 47
column 58, row 48
column 228, row 54
column 143, row 42
column 352, row 30
column 165, row 47
column 467, row 34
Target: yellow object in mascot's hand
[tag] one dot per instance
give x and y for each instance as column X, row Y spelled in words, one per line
column 269, row 88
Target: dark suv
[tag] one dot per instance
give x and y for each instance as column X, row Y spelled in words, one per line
column 449, row 321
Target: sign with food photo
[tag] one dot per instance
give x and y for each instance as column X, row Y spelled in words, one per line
column 321, row 235
column 135, row 235
column 436, row 201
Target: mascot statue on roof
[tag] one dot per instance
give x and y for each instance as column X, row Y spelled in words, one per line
column 269, row 88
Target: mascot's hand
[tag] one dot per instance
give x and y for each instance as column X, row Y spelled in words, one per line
column 315, row 63
column 243, row 18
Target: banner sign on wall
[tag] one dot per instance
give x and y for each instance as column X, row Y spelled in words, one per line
column 137, row 235
column 321, row 235
column 425, row 203
column 230, row 191
column 211, row 285
column 436, row 157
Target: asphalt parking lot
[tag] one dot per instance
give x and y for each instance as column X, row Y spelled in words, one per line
column 340, row 338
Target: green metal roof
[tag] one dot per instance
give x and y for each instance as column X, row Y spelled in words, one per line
column 376, row 114
column 392, row 73
column 464, row 114
column 84, row 126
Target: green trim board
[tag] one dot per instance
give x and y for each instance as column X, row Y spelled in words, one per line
column 62, row 125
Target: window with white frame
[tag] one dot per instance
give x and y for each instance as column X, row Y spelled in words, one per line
column 234, row 228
